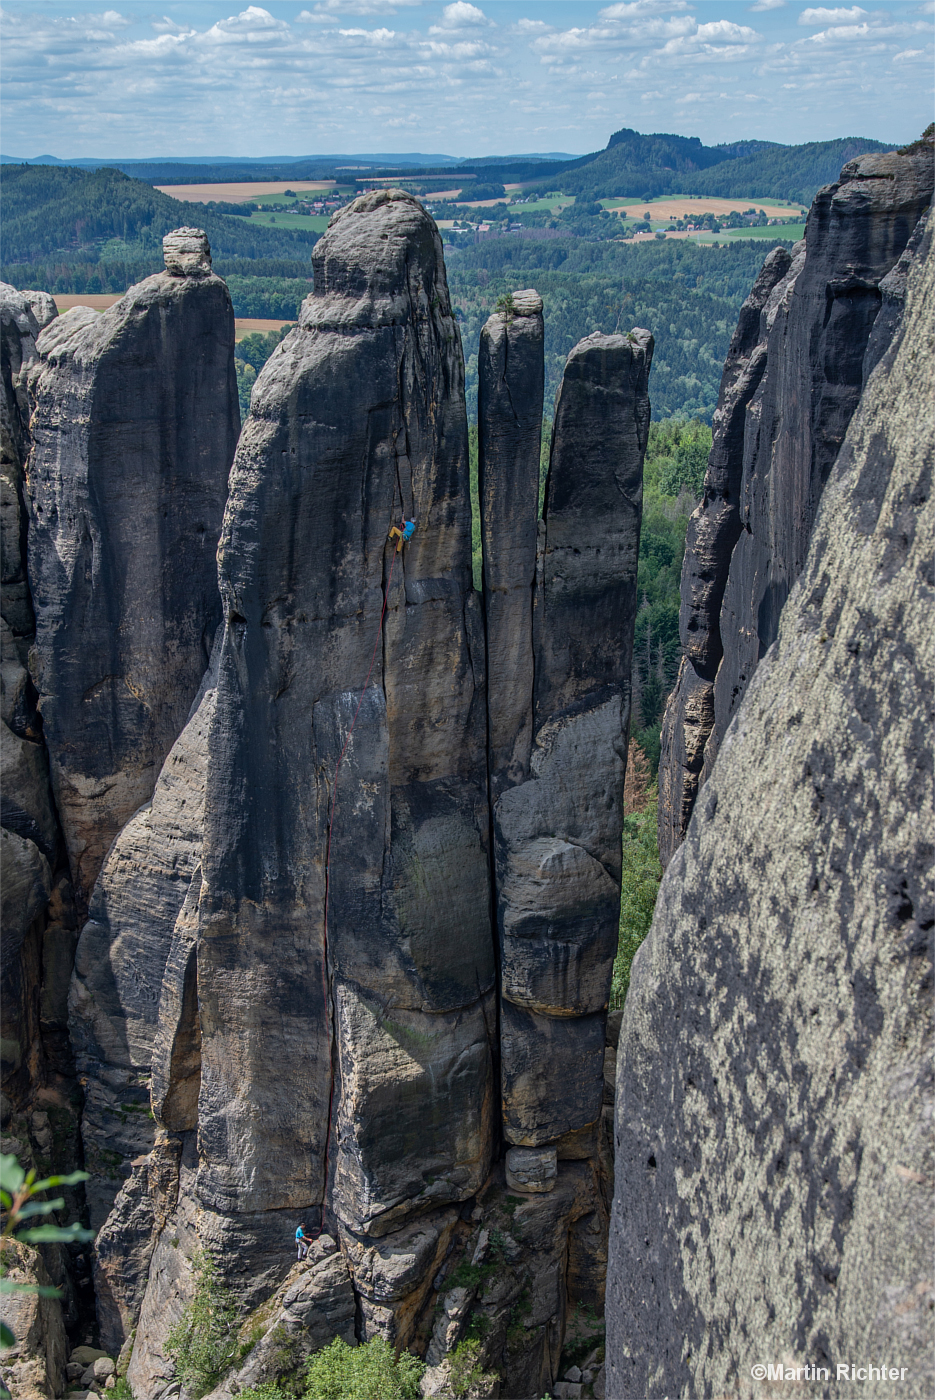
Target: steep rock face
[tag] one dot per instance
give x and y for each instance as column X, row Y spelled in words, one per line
column 557, row 833
column 511, row 381
column 30, row 832
column 774, row 1087
column 135, row 423
column 791, row 383
column 357, row 421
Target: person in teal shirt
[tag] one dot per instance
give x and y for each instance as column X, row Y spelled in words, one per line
column 301, row 1242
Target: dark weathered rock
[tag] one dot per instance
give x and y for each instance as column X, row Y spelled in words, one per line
column 25, row 883
column 510, row 384
column 557, row 832
column 791, row 383
column 121, row 961
column 30, row 831
column 539, row 1260
column 134, row 430
column 774, row 1087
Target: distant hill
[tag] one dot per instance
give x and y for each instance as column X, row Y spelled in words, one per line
column 632, row 164
column 785, row 172
column 79, row 215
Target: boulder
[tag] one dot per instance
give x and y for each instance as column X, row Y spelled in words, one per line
column 774, row 1092
column 135, row 423
column 793, row 378
column 531, row 1168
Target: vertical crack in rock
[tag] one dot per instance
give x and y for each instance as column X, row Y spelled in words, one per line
column 774, row 1078
column 558, row 809
column 135, row 424
column 792, row 381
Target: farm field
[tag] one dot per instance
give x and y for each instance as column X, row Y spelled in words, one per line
column 243, row 325
column 98, row 301
column 684, row 207
column 240, row 193
column 787, row 232
column 316, row 223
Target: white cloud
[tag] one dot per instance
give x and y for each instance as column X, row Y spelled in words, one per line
column 636, row 9
column 768, row 5
column 340, row 75
column 459, row 16
column 840, row 15
column 727, row 32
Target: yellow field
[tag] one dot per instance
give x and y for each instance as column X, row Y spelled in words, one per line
column 685, row 208
column 100, row 301
column 240, row 193
column 246, row 325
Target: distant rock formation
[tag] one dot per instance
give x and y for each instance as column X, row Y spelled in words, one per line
column 792, row 381
column 774, row 1091
column 133, row 432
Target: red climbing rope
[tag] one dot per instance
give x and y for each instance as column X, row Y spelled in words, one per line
column 334, row 799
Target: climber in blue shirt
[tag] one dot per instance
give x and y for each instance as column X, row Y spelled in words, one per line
column 301, row 1242
column 404, row 535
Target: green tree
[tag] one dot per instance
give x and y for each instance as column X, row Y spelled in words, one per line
column 368, row 1372
column 641, row 873
column 203, row 1344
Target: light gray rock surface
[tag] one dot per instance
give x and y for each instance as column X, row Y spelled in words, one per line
column 135, row 423
column 774, row 1086
column 34, row 1368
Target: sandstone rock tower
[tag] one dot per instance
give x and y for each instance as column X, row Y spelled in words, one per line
column 135, row 424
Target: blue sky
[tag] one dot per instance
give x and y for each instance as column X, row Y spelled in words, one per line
column 212, row 77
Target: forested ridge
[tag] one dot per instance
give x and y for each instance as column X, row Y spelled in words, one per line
column 647, row 166
column 82, row 216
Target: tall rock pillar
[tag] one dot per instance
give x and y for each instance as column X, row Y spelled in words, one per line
column 337, row 1057
column 135, row 424
column 511, row 380
column 557, row 834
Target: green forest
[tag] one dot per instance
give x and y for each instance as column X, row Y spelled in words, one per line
column 632, row 164
column 65, row 215
column 687, row 295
